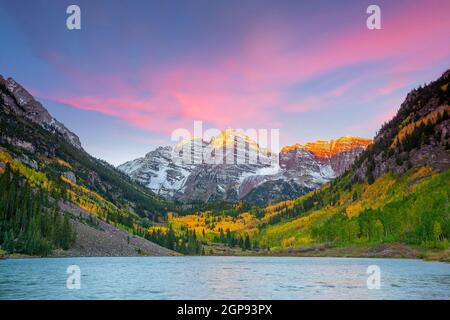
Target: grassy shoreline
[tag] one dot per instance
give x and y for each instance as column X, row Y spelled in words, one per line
column 392, row 251
column 395, row 251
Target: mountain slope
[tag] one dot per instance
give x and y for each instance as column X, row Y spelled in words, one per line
column 335, row 155
column 20, row 102
column 214, row 171
column 43, row 152
column 158, row 172
column 418, row 134
column 33, row 138
column 300, row 170
column 304, row 168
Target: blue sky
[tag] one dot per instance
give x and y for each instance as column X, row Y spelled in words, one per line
column 137, row 70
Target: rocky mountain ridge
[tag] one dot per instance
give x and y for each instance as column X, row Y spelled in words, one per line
column 31, row 135
column 20, row 102
column 296, row 170
column 418, row 135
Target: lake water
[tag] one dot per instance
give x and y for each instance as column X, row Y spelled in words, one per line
column 223, row 278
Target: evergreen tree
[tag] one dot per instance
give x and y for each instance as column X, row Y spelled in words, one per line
column 27, row 224
column 247, row 243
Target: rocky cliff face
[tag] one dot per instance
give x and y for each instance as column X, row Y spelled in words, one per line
column 159, row 172
column 304, row 168
column 19, row 101
column 32, row 136
column 301, row 169
column 328, row 158
column 418, row 135
column 199, row 170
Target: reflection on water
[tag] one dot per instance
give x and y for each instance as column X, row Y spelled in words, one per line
column 223, row 278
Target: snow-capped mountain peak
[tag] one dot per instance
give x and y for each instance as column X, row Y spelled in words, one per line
column 301, row 168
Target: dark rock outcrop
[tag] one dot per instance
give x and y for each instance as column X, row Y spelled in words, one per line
column 20, row 102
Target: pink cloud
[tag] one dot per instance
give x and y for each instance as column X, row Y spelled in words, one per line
column 250, row 86
column 148, row 115
column 403, row 34
column 225, row 110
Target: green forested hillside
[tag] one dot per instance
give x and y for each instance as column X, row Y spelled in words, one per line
column 29, row 222
column 32, row 222
column 413, row 208
column 54, row 156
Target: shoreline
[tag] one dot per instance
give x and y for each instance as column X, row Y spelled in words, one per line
column 383, row 251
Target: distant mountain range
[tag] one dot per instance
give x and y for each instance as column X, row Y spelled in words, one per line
column 296, row 170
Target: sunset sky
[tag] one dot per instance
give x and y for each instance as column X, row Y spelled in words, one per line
column 137, row 70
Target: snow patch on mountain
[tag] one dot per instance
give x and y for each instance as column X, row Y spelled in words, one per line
column 298, row 168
